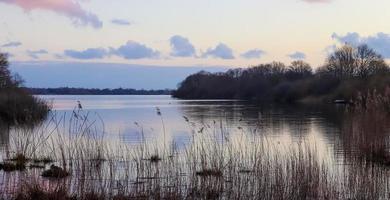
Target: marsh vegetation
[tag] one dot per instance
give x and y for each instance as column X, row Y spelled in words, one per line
column 74, row 158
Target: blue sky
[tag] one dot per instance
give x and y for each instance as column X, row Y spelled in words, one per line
column 169, row 33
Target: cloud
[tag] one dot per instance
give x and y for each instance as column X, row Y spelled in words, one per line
column 91, row 53
column 254, row 53
column 349, row 38
column 181, row 47
column 297, row 55
column 68, row 8
column 130, row 50
column 220, row 51
column 121, row 22
column 36, row 54
column 135, row 50
column 12, row 44
column 380, row 42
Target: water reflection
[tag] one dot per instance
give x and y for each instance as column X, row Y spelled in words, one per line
column 270, row 119
column 132, row 118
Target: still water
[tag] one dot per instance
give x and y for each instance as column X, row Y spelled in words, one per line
column 129, row 116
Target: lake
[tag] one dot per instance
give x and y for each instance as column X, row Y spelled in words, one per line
column 129, row 116
column 145, row 144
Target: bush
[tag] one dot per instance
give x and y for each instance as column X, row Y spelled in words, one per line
column 17, row 106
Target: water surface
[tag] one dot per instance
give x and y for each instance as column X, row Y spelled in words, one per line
column 129, row 116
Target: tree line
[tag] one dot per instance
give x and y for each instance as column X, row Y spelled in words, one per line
column 346, row 72
column 95, row 91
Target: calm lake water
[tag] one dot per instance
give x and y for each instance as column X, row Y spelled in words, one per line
column 282, row 142
column 128, row 116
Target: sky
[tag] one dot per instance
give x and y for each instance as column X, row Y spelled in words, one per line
column 179, row 34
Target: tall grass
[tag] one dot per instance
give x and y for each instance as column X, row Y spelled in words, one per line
column 367, row 125
column 213, row 165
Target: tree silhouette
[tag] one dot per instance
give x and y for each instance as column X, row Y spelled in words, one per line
column 349, row 61
column 346, row 72
column 5, row 75
column 16, row 104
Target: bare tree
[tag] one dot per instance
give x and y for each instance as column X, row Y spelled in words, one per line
column 7, row 79
column 368, row 62
column 299, row 69
column 349, row 61
column 341, row 62
column 4, row 71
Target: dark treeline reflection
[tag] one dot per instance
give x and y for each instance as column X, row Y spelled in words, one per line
column 346, row 72
column 319, row 124
column 296, row 120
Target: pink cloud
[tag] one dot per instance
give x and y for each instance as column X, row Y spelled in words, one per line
column 68, row 8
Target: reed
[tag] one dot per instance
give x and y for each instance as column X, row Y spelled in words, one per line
column 213, row 165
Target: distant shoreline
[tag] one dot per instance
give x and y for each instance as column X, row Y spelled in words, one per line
column 95, row 91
